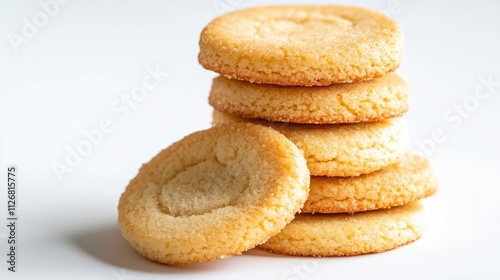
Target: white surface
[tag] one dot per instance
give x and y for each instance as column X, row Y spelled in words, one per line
column 66, row 78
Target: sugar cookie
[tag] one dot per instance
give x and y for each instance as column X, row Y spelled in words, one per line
column 378, row 99
column 410, row 180
column 341, row 149
column 215, row 193
column 302, row 45
column 324, row 235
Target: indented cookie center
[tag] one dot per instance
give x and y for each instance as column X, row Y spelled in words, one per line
column 299, row 28
column 202, row 188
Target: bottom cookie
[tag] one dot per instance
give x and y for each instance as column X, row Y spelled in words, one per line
column 323, row 235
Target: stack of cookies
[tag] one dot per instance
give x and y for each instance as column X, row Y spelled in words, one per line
column 307, row 111
column 323, row 77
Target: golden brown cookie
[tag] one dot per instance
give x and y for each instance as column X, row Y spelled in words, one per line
column 213, row 194
column 408, row 181
column 369, row 101
column 302, row 45
column 323, row 235
column 340, row 149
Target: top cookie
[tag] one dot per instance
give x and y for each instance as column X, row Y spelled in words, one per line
column 302, row 45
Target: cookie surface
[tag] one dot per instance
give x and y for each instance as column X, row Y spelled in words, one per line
column 302, row 45
column 215, row 193
column 407, row 181
column 340, row 149
column 369, row 101
column 325, row 235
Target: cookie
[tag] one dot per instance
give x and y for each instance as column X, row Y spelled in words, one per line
column 378, row 99
column 340, row 149
column 302, row 45
column 323, row 235
column 408, row 181
column 215, row 193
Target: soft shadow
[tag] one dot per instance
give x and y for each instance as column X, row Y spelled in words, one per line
column 262, row 253
column 107, row 245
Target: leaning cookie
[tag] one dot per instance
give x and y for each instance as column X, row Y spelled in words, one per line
column 408, row 181
column 323, row 235
column 378, row 99
column 213, row 194
column 302, row 45
column 340, row 149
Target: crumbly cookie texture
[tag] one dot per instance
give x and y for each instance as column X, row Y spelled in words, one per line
column 374, row 100
column 324, row 235
column 343, row 149
column 302, row 45
column 410, row 180
column 215, row 193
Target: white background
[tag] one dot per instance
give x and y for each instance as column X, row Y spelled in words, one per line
column 64, row 80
